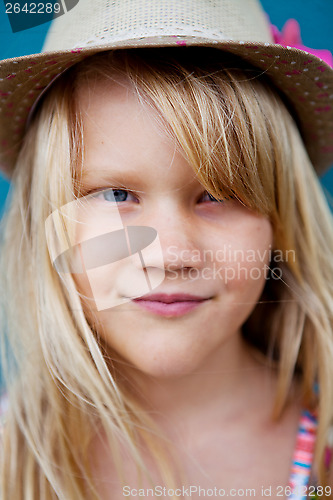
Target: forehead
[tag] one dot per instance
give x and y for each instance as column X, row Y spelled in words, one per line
column 113, row 117
column 97, row 98
column 125, row 136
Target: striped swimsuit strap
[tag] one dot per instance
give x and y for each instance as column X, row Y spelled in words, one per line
column 303, row 455
column 299, row 481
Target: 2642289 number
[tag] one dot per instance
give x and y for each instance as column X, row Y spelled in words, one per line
column 33, row 8
column 304, row 491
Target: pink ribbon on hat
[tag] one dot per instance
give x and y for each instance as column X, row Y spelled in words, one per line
column 290, row 36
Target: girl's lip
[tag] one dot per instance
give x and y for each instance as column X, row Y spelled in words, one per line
column 170, row 305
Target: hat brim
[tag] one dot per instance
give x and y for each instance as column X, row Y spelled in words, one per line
column 305, row 80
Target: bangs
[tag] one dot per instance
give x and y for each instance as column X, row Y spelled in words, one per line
column 227, row 120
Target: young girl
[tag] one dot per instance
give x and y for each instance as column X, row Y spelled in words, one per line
column 167, row 261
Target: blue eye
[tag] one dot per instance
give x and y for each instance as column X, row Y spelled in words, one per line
column 115, row 195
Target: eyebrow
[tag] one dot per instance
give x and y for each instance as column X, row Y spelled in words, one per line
column 111, row 176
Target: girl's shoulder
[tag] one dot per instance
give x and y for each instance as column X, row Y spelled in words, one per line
column 329, row 458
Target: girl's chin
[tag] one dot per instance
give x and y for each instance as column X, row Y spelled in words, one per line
column 165, row 373
column 162, row 367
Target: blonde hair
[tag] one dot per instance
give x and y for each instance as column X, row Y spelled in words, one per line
column 239, row 136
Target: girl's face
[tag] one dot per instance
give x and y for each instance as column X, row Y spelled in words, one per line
column 182, row 300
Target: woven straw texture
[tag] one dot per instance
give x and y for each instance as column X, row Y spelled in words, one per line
column 105, row 21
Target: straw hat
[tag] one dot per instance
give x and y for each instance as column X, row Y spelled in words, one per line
column 236, row 26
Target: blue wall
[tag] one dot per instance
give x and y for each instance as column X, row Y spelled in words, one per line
column 314, row 16
column 12, row 45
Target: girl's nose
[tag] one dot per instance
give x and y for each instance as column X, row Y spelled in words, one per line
column 177, row 244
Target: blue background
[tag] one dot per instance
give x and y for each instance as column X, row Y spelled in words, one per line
column 315, row 18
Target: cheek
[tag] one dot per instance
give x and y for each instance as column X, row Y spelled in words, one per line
column 248, row 257
column 244, row 271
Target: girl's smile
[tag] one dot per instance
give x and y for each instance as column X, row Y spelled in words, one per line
column 170, row 305
column 134, row 172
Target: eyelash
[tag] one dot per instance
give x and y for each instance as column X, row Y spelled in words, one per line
column 212, row 199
